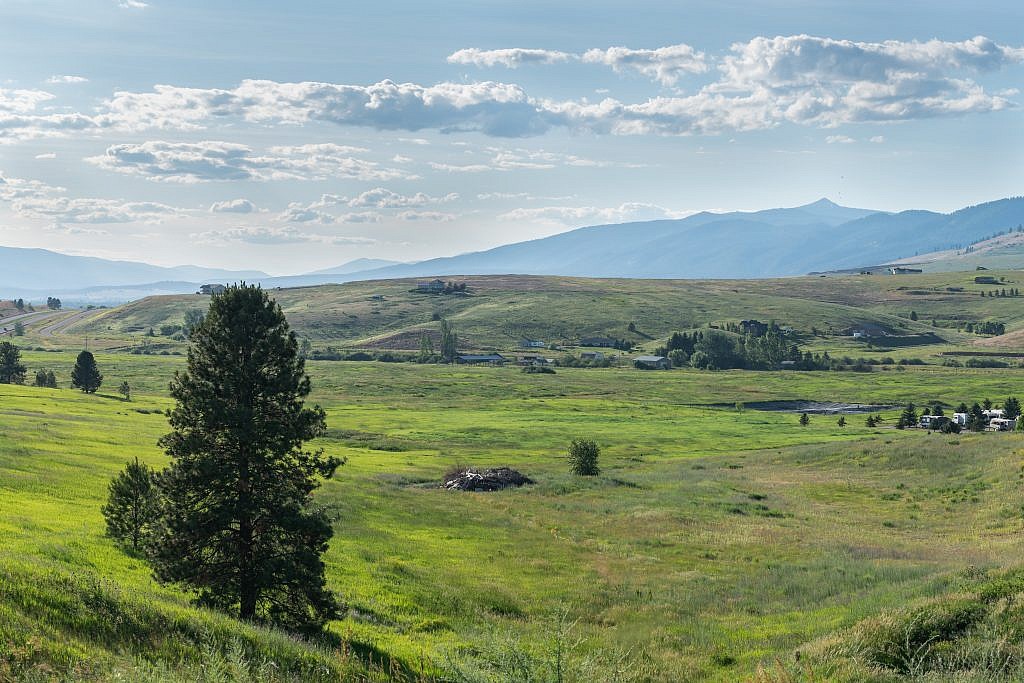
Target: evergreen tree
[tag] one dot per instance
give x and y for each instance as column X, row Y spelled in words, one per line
column 11, row 369
column 976, row 419
column 51, row 379
column 132, row 505
column 804, row 419
column 962, row 408
column 908, row 418
column 240, row 529
column 19, row 329
column 913, row 315
column 842, row 421
column 870, row 421
column 125, row 390
column 1011, row 408
column 86, row 374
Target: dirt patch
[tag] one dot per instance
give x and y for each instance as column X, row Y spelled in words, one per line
column 495, row 479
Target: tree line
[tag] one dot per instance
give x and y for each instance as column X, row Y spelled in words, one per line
column 716, row 350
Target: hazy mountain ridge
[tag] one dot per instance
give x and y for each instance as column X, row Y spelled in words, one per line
column 820, row 236
column 44, row 270
column 770, row 243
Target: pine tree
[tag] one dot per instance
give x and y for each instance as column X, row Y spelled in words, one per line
column 240, row 529
column 870, row 421
column 125, row 390
column 132, row 505
column 1011, row 408
column 86, row 374
column 804, row 420
column 11, row 369
column 976, row 419
column 908, row 418
column 842, row 421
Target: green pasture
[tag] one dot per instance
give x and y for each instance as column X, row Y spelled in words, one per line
column 715, row 540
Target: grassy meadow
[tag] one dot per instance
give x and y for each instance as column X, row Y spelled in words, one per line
column 716, row 540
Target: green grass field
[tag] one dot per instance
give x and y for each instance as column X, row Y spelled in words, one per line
column 715, row 540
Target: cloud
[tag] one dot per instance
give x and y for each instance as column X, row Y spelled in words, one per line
column 580, row 215
column 276, row 235
column 132, row 4
column 233, row 206
column 22, row 101
column 435, row 216
column 839, row 140
column 47, row 155
column 296, row 213
column 498, row 109
column 759, row 84
column 508, row 57
column 66, row 79
column 378, row 198
column 521, row 158
column 664, row 64
column 877, row 139
column 193, row 162
column 37, row 200
column 457, row 168
column 383, row 198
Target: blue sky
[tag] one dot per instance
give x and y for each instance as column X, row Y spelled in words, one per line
column 295, row 136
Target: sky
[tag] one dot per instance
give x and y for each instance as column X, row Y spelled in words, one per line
column 294, row 136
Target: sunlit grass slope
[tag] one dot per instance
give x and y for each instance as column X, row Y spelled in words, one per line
column 715, row 539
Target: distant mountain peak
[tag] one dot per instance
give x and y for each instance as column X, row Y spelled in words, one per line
column 823, row 203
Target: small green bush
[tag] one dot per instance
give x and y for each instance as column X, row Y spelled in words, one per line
column 583, row 456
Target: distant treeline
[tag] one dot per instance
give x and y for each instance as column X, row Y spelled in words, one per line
column 716, row 350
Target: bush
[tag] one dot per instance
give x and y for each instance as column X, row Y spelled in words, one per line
column 985, row 363
column 583, row 456
column 538, row 370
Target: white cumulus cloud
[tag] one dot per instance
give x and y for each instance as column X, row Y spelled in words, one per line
column 508, row 57
column 211, row 160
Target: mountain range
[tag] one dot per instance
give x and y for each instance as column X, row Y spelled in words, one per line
column 821, row 236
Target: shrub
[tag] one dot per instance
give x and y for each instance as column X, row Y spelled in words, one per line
column 583, row 456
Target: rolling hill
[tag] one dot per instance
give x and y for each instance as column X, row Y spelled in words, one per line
column 498, row 311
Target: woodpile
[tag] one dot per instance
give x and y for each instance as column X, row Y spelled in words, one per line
column 494, row 479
